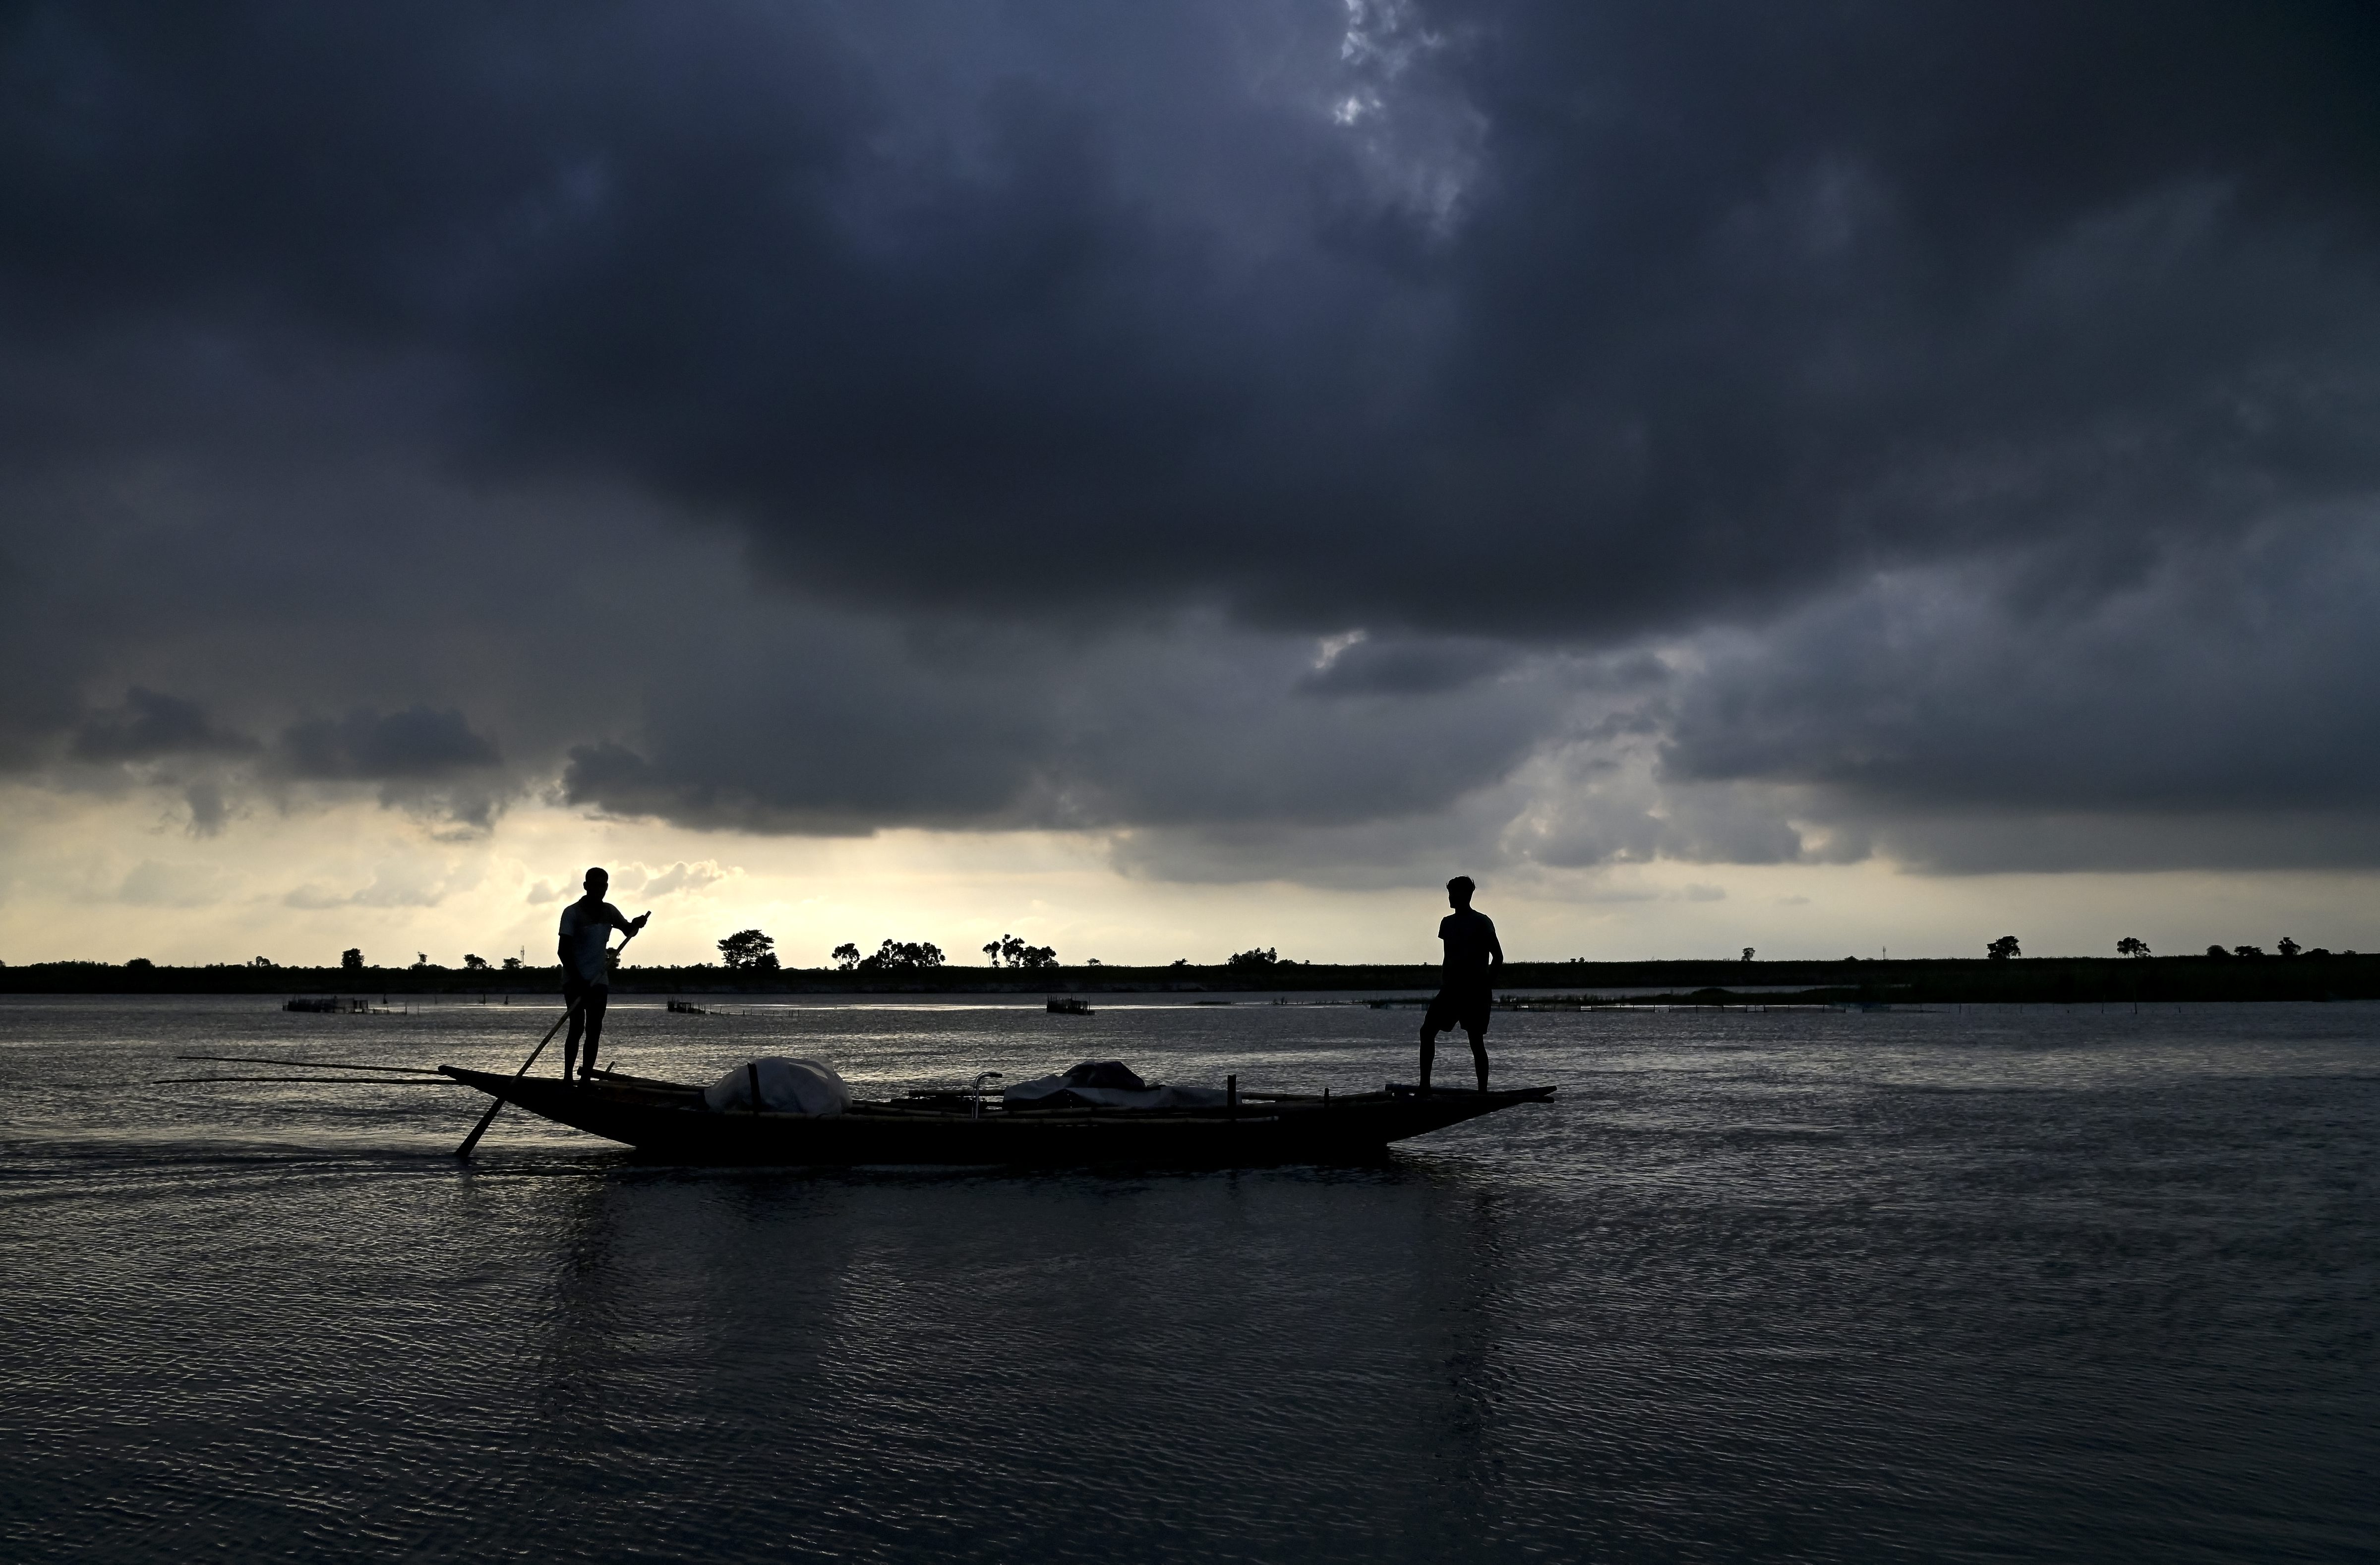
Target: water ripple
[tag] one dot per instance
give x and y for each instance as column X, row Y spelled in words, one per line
column 2034, row 1283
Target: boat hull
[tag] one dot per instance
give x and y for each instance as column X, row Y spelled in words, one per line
column 672, row 1123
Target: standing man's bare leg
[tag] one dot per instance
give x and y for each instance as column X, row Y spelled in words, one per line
column 1428, row 1053
column 1479, row 1055
column 570, row 1044
column 596, row 1000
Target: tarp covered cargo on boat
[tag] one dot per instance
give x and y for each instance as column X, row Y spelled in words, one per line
column 788, row 1087
column 1108, row 1083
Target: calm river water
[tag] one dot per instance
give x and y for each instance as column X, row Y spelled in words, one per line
column 1997, row 1283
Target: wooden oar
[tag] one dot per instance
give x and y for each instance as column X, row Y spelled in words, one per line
column 498, row 1106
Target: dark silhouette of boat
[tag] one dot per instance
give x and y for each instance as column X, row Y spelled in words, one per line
column 1071, row 1005
column 671, row 1119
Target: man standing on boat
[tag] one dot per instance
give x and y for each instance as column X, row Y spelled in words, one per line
column 586, row 927
column 1466, row 989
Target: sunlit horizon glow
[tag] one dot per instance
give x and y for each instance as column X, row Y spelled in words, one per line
column 108, row 882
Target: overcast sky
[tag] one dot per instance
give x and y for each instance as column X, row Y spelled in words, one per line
column 1179, row 476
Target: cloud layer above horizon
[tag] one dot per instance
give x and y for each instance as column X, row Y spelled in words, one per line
column 1329, row 441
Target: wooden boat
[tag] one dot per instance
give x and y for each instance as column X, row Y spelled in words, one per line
column 670, row 1119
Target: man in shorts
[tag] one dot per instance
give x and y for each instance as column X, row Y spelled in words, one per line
column 1466, row 989
column 586, row 927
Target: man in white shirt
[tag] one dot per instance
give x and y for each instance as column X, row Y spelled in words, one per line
column 586, row 927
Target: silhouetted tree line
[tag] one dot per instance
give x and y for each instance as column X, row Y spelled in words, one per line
column 2236, row 973
column 893, row 956
column 2006, row 947
column 2286, row 947
column 1009, row 951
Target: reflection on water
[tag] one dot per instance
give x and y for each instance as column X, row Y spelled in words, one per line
column 2035, row 1282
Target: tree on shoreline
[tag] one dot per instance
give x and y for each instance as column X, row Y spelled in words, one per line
column 2003, row 948
column 1012, row 951
column 748, row 950
column 902, row 956
column 2129, row 946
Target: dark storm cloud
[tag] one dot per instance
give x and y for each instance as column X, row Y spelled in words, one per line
column 1408, row 668
column 2223, row 679
column 150, row 726
column 1905, row 368
column 426, row 762
column 1004, row 727
column 1713, row 298
column 417, row 744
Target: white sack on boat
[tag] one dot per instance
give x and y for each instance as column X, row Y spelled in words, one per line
column 1108, row 1085
column 788, row 1087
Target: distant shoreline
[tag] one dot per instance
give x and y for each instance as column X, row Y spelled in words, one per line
column 1925, row 980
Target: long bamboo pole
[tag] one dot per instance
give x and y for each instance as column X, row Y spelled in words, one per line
column 318, row 1081
column 308, row 1064
column 498, row 1106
